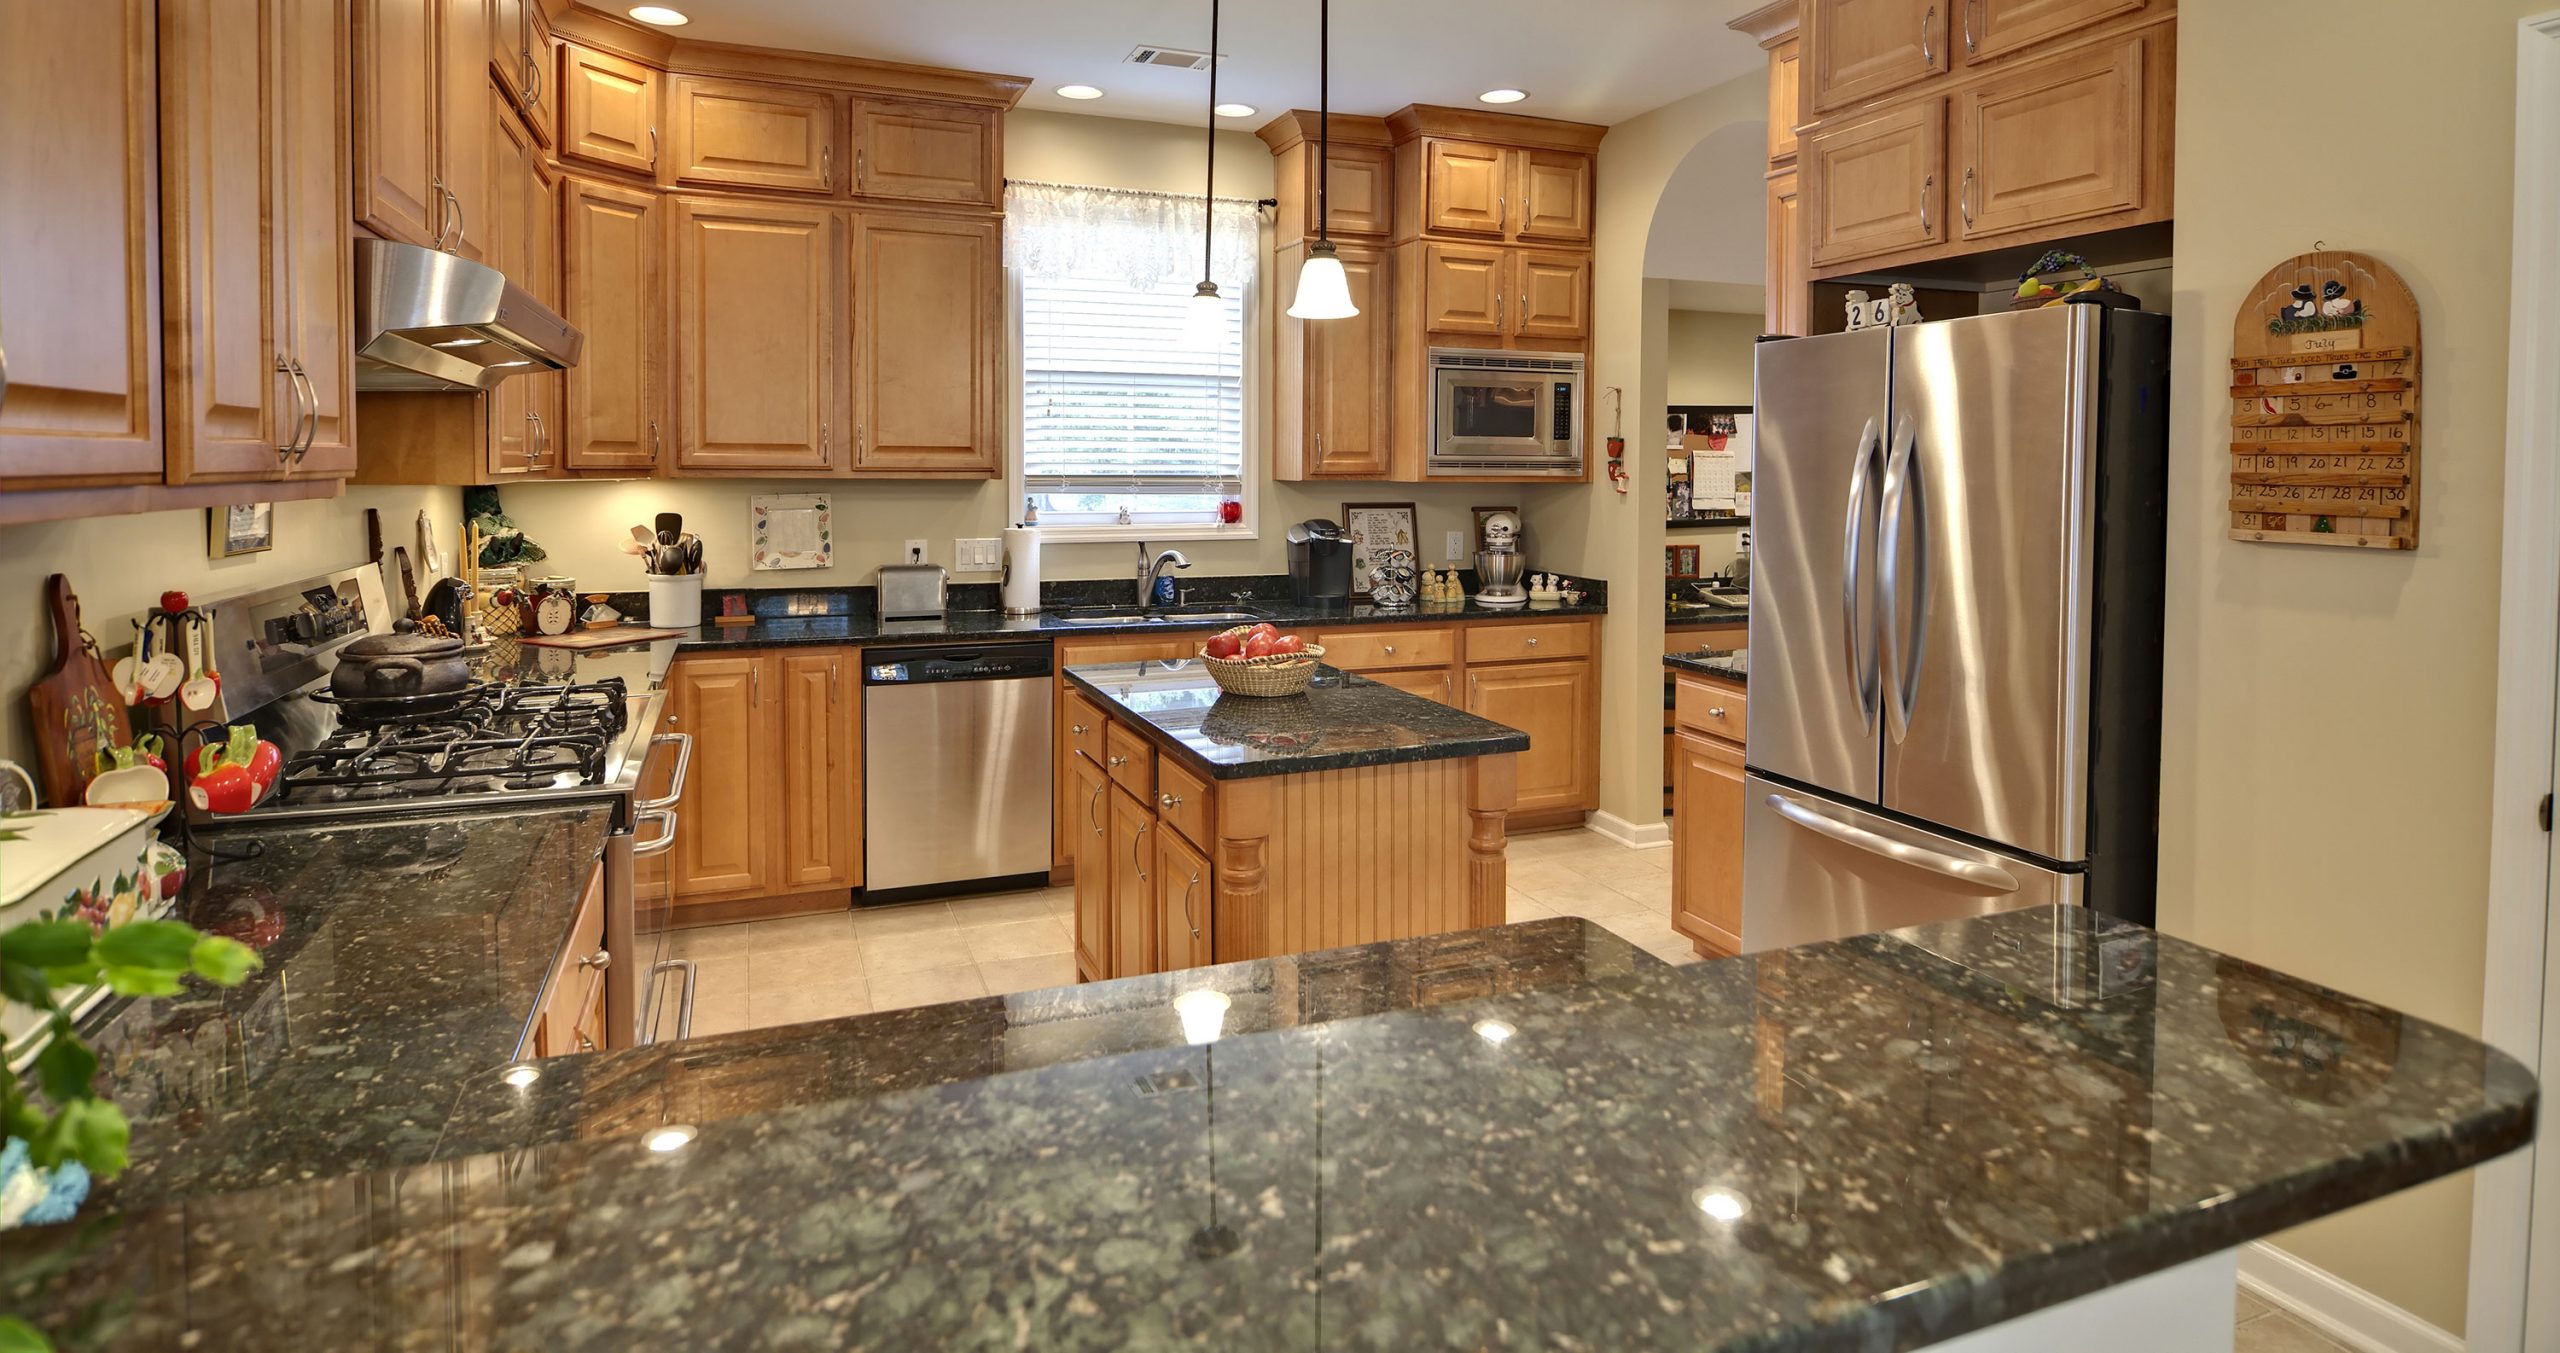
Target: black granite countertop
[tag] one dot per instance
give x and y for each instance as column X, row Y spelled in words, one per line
column 1874, row 1143
column 865, row 627
column 1733, row 664
column 404, row 962
column 1343, row 720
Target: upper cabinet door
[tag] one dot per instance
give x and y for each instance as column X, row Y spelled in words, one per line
column 609, row 110
column 2053, row 141
column 316, row 251
column 757, row 303
column 1993, row 28
column 513, row 446
column 611, row 271
column 1360, row 198
column 1462, row 288
column 1786, row 98
column 228, row 384
column 396, row 171
column 924, row 152
column 1465, row 188
column 1347, row 372
column 1550, row 295
column 511, row 48
column 925, row 344
column 1876, row 185
column 732, row 134
column 462, row 127
column 80, row 260
column 1857, row 49
column 1554, row 195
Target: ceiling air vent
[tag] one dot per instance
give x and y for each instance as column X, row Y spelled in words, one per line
column 1168, row 56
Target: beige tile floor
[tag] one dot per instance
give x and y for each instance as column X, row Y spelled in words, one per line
column 2265, row 1329
column 762, row 973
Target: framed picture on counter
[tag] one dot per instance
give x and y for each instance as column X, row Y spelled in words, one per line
column 1377, row 526
column 240, row 528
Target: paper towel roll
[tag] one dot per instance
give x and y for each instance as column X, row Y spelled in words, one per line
column 1021, row 570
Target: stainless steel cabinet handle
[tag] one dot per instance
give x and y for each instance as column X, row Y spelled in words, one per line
column 1964, row 197
column 1497, row 310
column 1187, row 890
column 653, row 140
column 858, row 442
column 1169, row 800
column 284, row 368
column 1501, row 214
column 831, row 683
column 665, row 820
column 1990, row 878
column 310, row 410
column 1968, row 28
column 827, row 167
column 653, row 441
column 1092, row 810
column 826, row 446
column 675, row 783
column 541, row 438
column 1852, row 582
column 443, row 200
column 861, row 168
column 4, row 377
column 599, row 960
column 532, row 78
column 1927, row 183
column 1134, row 861
column 1901, row 670
column 755, row 685
column 1928, row 53
column 459, row 228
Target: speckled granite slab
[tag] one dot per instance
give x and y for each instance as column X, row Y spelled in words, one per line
column 1343, row 720
column 1733, row 664
column 1875, row 1143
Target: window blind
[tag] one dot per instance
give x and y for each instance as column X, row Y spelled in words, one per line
column 1125, row 404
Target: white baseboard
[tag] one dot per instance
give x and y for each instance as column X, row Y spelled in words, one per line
column 2336, row 1307
column 1633, row 835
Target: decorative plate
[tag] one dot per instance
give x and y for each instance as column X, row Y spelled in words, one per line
column 791, row 530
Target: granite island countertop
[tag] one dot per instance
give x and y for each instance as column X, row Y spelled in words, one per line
column 1909, row 1135
column 1343, row 720
column 1733, row 664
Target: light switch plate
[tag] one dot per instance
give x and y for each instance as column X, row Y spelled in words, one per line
column 976, row 553
column 1457, row 546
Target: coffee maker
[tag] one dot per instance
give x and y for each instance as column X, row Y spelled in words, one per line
column 1319, row 561
column 1499, row 565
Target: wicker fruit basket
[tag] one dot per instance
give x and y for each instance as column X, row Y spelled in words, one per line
column 1274, row 674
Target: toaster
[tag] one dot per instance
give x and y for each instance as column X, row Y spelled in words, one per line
column 913, row 591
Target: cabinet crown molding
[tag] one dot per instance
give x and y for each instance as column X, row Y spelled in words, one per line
column 1298, row 125
column 1511, row 129
column 675, row 56
column 1770, row 24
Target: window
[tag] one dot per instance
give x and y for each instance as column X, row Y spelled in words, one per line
column 1132, row 413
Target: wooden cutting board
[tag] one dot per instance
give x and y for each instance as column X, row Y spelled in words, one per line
column 612, row 638
column 75, row 708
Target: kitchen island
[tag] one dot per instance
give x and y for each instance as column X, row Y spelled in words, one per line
column 1527, row 1137
column 1218, row 828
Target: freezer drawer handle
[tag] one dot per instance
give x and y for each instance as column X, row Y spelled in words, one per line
column 1990, row 878
column 1858, row 649
column 1902, row 670
column 675, row 785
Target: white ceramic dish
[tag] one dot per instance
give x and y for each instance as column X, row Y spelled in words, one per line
column 72, row 862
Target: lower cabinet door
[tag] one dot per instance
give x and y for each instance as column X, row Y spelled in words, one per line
column 1431, row 683
column 821, row 817
column 724, row 820
column 1552, row 702
column 1706, row 841
column 572, row 1014
column 1184, row 884
column 1133, row 885
column 1088, row 827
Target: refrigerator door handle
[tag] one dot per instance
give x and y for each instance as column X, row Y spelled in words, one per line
column 1989, row 878
column 1902, row 670
column 1859, row 649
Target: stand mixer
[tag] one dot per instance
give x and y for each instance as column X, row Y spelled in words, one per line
column 1499, row 565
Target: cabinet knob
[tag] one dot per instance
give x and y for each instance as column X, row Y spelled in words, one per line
column 1115, row 761
column 1533, row 643
column 1078, row 729
column 1169, row 800
column 1716, row 712
column 1391, row 650
column 599, row 960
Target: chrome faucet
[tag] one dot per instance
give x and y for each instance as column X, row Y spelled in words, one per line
column 1149, row 567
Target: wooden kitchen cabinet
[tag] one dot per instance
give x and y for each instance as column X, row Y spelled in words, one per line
column 1706, row 775
column 1132, row 828
column 2050, row 142
column 80, row 260
column 1554, row 188
column 1855, row 50
column 1335, row 401
column 524, row 232
column 1466, row 188
column 1786, row 98
column 1359, row 199
column 317, row 258
column 1431, row 683
column 943, row 154
column 1549, row 296
column 612, row 270
column 572, row 1017
column 1462, row 287
column 419, row 122
column 927, row 348
column 821, row 759
column 1184, row 886
column 724, row 823
column 1789, row 298
column 1876, row 185
column 733, row 134
column 1996, row 28
column 520, row 54
column 1087, row 834
column 608, row 110
column 759, row 302
column 1551, row 701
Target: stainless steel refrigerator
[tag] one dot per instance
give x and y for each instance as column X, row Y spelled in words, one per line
column 1955, row 622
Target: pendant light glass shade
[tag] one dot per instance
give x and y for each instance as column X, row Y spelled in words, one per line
column 1324, row 289
column 1204, row 317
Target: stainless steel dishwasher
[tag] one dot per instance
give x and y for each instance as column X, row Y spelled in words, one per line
column 955, row 769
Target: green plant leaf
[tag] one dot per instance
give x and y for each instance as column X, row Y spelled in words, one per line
column 223, row 962
column 93, row 1132
column 46, row 944
column 165, row 945
column 64, row 1068
column 73, row 976
column 23, row 1120
column 17, row 1336
column 25, row 985
column 140, row 981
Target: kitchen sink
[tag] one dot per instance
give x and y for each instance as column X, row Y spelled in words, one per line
column 1131, row 619
column 1161, row 617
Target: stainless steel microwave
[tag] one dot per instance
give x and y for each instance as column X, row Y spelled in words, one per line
column 1506, row 413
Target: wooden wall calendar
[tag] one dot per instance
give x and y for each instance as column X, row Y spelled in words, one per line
column 2324, row 406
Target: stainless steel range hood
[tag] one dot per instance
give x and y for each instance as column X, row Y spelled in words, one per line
column 427, row 320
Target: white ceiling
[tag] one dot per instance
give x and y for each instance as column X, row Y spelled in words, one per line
column 1600, row 61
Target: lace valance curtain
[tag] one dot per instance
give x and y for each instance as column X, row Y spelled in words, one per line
column 1057, row 231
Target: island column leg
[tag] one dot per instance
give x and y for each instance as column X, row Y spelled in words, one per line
column 1492, row 787
column 1242, row 924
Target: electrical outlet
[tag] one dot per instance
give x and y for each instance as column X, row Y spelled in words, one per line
column 915, row 552
column 1457, row 546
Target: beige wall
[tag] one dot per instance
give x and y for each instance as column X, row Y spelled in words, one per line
column 1711, row 356
column 581, row 523
column 2329, row 713
column 121, row 565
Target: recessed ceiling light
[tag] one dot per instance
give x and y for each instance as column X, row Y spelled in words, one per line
column 669, row 1138
column 1236, row 110
column 1502, row 96
column 659, row 15
column 1078, row 92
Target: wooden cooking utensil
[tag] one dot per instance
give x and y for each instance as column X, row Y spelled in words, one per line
column 74, row 706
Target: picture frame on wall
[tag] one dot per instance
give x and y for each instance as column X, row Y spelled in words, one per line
column 1680, row 561
column 1475, row 541
column 1377, row 526
column 240, row 528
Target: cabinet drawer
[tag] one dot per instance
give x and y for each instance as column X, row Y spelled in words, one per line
column 1130, row 760
column 1519, row 643
column 1084, row 727
column 1379, row 649
column 1714, row 710
column 1182, row 801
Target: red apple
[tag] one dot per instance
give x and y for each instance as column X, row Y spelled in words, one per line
column 1224, row 645
column 1288, row 643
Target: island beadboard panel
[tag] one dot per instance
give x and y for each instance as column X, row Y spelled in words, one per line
column 2324, row 406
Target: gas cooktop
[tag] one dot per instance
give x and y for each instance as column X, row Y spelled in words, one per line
column 498, row 740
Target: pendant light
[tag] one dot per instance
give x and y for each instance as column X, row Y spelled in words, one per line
column 1206, row 317
column 1324, row 290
